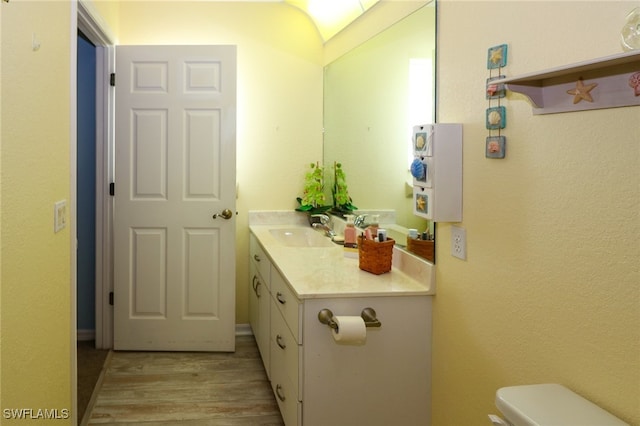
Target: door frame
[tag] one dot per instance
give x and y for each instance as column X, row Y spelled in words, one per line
column 97, row 31
column 85, row 18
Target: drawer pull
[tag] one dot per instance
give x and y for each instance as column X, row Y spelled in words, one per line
column 281, row 298
column 279, row 342
column 256, row 258
column 279, row 393
column 256, row 285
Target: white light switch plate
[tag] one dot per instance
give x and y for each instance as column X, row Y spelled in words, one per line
column 59, row 215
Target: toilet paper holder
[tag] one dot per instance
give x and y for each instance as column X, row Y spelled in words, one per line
column 325, row 316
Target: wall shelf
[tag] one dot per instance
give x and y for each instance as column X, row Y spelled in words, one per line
column 547, row 89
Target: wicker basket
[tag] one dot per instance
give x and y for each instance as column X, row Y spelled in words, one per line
column 375, row 257
column 422, row 248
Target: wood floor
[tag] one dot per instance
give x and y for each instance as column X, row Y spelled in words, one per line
column 186, row 388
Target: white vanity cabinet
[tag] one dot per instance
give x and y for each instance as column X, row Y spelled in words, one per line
column 385, row 381
column 318, row 381
column 260, row 299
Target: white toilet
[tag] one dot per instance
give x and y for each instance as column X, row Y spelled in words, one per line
column 549, row 405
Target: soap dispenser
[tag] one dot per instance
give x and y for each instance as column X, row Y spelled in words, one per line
column 350, row 233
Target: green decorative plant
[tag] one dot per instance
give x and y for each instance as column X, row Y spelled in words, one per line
column 341, row 199
column 313, row 197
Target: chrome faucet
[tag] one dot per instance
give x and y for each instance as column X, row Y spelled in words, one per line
column 322, row 222
column 319, row 218
column 358, row 221
column 326, row 228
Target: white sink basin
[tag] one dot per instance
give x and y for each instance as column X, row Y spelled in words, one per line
column 301, row 237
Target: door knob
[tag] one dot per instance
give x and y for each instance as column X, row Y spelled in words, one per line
column 226, row 214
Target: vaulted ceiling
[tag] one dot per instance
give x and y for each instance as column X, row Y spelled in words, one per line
column 331, row 16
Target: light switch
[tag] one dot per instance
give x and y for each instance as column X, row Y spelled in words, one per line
column 59, row 215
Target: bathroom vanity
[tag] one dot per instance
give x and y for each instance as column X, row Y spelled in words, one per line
column 318, row 381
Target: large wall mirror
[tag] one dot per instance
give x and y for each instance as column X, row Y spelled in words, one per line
column 373, row 95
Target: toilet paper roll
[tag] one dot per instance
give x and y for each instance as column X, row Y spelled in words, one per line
column 351, row 329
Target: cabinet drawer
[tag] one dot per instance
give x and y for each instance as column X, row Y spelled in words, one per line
column 284, row 390
column 260, row 259
column 287, row 304
column 285, row 352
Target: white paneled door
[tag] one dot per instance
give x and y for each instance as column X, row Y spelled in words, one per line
column 174, row 220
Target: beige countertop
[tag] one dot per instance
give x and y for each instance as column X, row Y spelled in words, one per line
column 321, row 272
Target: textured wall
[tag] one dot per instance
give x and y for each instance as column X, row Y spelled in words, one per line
column 550, row 291
column 36, row 276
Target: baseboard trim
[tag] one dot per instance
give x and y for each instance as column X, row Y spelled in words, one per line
column 86, row 335
column 243, row 330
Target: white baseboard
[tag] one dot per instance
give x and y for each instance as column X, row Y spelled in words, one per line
column 243, row 330
column 84, row 335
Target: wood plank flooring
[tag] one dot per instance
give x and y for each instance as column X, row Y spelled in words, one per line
column 186, row 388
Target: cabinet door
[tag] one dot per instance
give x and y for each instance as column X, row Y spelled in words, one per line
column 259, row 313
column 385, row 381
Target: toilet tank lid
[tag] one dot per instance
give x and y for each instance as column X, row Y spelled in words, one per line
column 550, row 404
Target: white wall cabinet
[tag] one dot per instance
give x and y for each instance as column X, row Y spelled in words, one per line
column 318, row 382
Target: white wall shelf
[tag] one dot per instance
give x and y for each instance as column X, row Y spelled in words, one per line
column 547, row 89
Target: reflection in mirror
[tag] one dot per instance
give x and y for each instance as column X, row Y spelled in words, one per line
column 373, row 96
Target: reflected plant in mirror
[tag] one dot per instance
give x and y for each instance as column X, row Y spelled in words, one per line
column 342, row 202
column 373, row 96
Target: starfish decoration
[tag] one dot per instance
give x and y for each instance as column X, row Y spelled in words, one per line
column 496, row 55
column 420, row 203
column 582, row 92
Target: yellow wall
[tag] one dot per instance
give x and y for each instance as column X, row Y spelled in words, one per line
column 35, row 271
column 0, row 215
column 107, row 13
column 279, row 129
column 550, row 291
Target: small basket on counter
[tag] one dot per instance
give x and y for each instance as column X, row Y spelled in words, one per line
column 422, row 248
column 375, row 257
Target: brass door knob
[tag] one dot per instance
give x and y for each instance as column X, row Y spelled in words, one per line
column 226, row 214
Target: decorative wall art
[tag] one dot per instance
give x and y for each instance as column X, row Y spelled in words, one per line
column 634, row 83
column 582, row 91
column 495, row 90
column 495, row 147
column 496, row 118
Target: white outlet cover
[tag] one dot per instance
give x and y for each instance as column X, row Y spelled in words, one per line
column 458, row 242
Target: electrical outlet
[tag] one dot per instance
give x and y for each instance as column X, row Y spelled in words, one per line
column 59, row 215
column 458, row 242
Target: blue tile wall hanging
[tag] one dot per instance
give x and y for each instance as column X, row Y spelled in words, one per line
column 496, row 118
column 495, row 147
column 497, row 57
column 495, row 115
column 495, row 89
